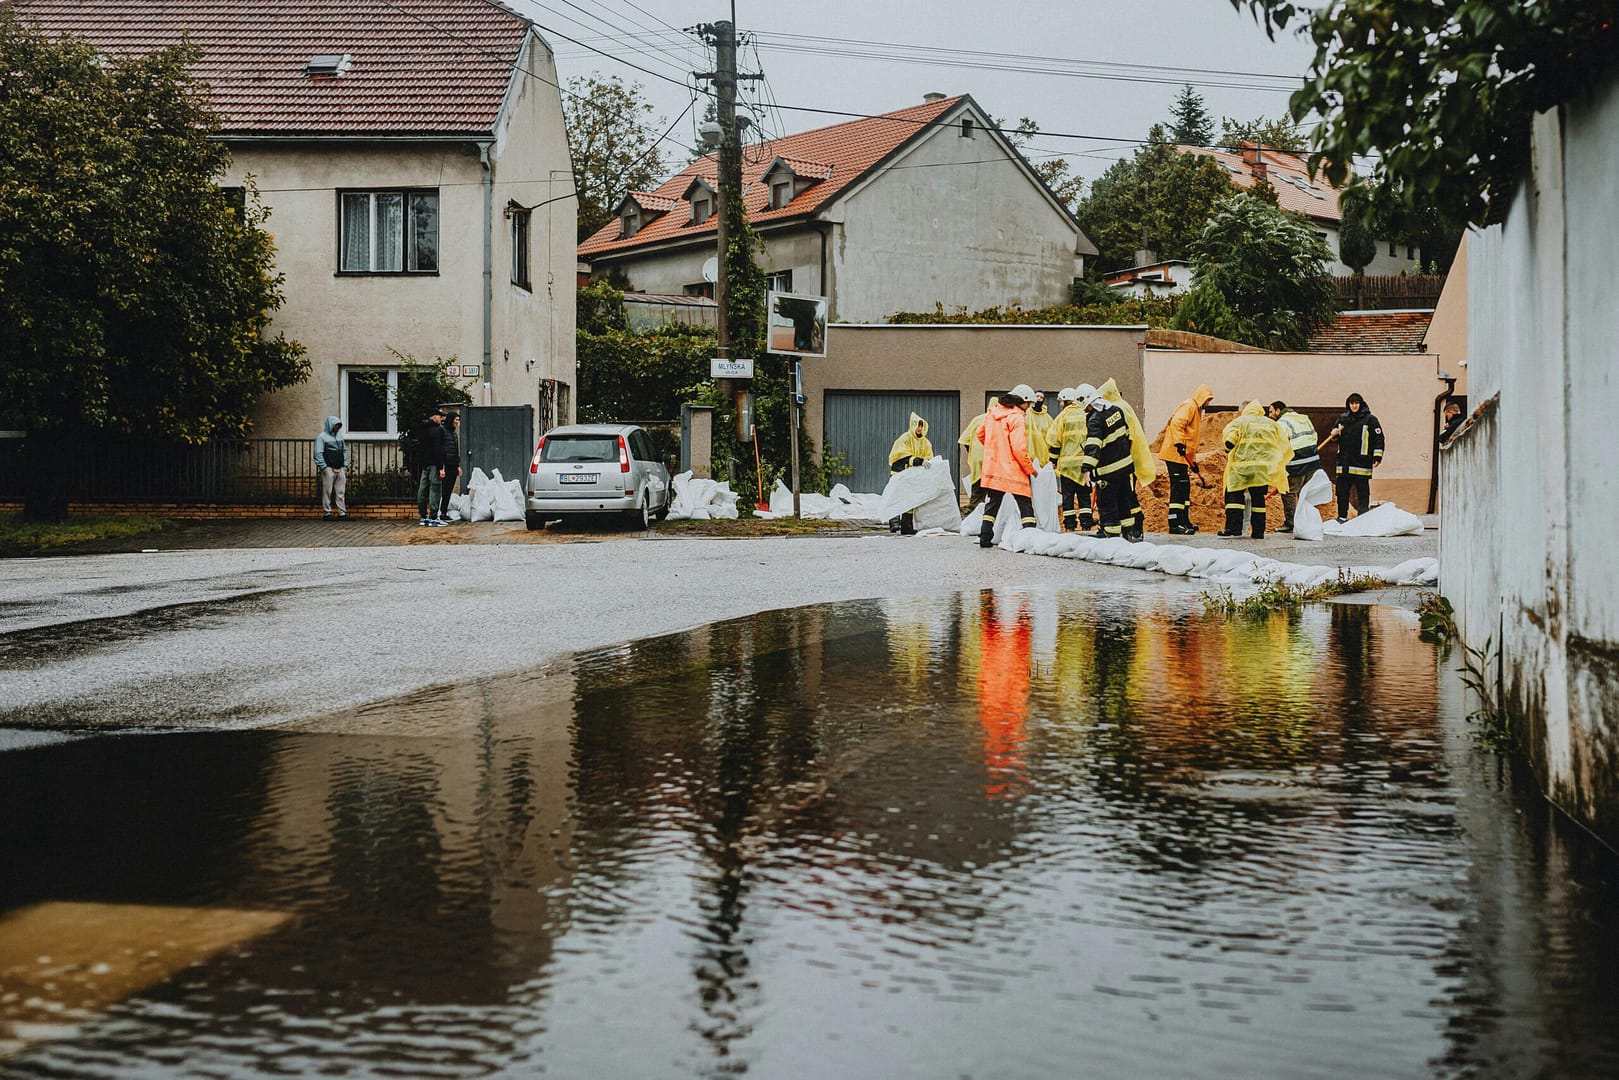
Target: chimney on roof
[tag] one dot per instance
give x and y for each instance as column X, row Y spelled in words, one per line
column 933, row 95
column 1146, row 256
column 1253, row 155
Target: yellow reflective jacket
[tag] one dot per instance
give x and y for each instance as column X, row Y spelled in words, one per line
column 975, row 449
column 1141, row 455
column 1038, row 425
column 1257, row 451
column 911, row 445
column 1067, row 438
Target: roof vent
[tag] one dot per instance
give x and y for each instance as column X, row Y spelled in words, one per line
column 328, row 63
column 933, row 96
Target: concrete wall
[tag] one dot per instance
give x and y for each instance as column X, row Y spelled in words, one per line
column 355, row 320
column 1400, row 388
column 1540, row 510
column 972, row 360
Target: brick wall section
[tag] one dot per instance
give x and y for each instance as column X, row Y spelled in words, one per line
column 223, row 511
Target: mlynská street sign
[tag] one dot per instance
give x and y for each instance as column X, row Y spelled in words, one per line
column 730, row 369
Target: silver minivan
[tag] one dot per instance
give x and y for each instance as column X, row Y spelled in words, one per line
column 596, row 469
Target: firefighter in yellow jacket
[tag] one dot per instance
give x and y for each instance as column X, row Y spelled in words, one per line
column 1067, row 437
column 1179, row 451
column 909, row 451
column 1257, row 453
column 975, row 460
column 1143, row 469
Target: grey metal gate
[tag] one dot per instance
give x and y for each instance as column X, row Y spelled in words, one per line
column 496, row 437
column 863, row 424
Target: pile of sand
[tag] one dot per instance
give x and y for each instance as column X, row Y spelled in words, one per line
column 1208, row 504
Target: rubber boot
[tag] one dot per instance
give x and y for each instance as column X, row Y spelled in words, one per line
column 1258, row 519
column 1233, row 523
column 986, row 532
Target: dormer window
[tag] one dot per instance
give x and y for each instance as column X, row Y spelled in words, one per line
column 701, row 197
column 328, row 64
column 781, row 192
column 630, row 220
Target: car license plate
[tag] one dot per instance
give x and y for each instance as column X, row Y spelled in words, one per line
column 580, row 477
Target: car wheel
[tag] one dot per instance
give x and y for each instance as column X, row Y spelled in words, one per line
column 534, row 521
column 641, row 516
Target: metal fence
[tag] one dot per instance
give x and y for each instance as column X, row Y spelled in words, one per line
column 263, row 471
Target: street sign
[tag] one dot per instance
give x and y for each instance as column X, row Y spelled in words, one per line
column 730, row 369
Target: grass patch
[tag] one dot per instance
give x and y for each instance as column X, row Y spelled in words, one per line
column 19, row 537
column 758, row 527
column 1278, row 596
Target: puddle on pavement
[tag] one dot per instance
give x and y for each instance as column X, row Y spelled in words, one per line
column 998, row 835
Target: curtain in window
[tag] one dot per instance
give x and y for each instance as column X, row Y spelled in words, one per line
column 390, row 209
column 423, row 237
column 356, row 232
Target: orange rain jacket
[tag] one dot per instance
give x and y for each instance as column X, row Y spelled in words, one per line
column 1006, row 451
column 1186, row 428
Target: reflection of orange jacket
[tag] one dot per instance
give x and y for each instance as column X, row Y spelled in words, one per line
column 1006, row 451
column 1003, row 696
column 1186, row 427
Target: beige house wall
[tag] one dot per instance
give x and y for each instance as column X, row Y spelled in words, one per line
column 1447, row 333
column 357, row 319
column 796, row 248
column 972, row 360
column 1400, row 388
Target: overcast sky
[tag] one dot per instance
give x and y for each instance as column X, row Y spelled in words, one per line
column 1135, row 55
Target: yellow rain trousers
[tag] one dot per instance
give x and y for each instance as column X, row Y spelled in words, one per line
column 1258, row 451
column 1141, row 459
column 911, row 445
column 975, row 449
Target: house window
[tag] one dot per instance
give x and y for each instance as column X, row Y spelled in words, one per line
column 779, row 281
column 781, row 193
column 702, row 208
column 699, row 288
column 1392, row 251
column 388, row 232
column 369, row 401
column 520, row 223
column 1410, row 251
column 966, row 127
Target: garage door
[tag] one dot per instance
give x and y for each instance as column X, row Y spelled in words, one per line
column 863, row 424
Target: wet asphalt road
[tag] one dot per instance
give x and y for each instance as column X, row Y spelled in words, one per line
column 254, row 636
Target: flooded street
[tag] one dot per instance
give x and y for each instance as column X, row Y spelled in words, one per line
column 1018, row 834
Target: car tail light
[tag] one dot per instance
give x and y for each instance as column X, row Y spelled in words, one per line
column 623, row 455
column 534, row 462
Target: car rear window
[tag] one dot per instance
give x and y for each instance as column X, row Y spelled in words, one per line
column 565, row 448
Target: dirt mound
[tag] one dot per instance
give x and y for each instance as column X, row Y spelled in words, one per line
column 1208, row 503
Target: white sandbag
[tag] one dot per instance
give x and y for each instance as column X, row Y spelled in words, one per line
column 943, row 511
column 482, row 497
column 1385, row 519
column 910, row 488
column 1047, row 500
column 699, row 499
column 973, row 522
column 1306, row 518
column 507, row 504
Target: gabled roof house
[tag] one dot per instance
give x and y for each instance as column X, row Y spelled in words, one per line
column 921, row 206
column 1289, row 175
column 413, row 156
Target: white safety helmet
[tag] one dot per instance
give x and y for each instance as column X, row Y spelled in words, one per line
column 1068, row 393
column 1024, row 391
column 1085, row 393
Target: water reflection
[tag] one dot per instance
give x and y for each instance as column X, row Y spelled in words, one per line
column 998, row 834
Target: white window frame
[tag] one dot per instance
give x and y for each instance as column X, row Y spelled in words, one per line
column 392, row 432
column 406, row 230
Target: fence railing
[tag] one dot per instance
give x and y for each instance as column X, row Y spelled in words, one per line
column 1384, row 291
column 222, row 470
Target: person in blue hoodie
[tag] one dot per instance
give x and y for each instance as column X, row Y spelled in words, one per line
column 332, row 464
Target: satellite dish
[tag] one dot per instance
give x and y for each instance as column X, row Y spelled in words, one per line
column 711, row 268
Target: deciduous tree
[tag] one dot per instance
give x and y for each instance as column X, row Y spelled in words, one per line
column 614, row 143
column 1279, row 134
column 1159, row 198
column 1262, row 277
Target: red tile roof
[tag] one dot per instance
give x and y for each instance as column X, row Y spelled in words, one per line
column 844, row 152
column 1374, row 332
column 420, row 67
column 1295, row 190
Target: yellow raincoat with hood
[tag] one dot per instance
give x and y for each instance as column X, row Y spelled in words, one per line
column 1067, row 437
column 1257, row 451
column 975, row 449
column 1142, row 464
column 911, row 445
column 1038, row 424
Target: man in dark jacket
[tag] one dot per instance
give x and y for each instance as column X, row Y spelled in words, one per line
column 430, row 457
column 452, row 463
column 1360, row 450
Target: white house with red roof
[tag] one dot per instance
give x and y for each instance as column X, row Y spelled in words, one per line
column 413, row 156
column 1289, row 174
column 921, row 206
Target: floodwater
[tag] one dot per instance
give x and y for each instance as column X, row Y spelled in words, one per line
column 1015, row 834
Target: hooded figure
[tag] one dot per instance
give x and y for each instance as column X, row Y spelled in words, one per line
column 1360, row 450
column 1182, row 436
column 1143, row 468
column 1067, row 437
column 1007, row 465
column 911, row 448
column 1109, row 463
column 1038, row 424
column 1257, row 452
column 974, row 457
column 331, row 464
